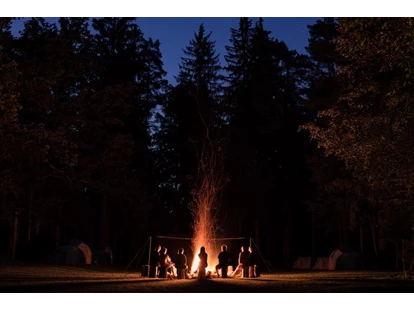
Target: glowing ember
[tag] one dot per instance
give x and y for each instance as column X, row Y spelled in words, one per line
column 211, row 178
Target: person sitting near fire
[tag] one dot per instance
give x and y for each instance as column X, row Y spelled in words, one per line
column 243, row 262
column 169, row 264
column 252, row 259
column 202, row 265
column 181, row 260
column 155, row 260
column 166, row 263
column 155, row 256
column 223, row 261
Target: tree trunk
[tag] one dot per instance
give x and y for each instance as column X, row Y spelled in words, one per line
column 381, row 237
column 115, row 250
column 287, row 246
column 345, row 230
column 105, row 222
column 268, row 244
column 396, row 256
column 15, row 235
column 403, row 258
column 361, row 238
column 37, row 226
column 313, row 233
column 257, row 233
column 30, row 203
column 374, row 237
column 57, row 235
column 91, row 232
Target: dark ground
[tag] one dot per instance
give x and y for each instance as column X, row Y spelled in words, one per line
column 58, row 279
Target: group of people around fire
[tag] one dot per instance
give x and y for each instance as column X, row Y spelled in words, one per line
column 161, row 259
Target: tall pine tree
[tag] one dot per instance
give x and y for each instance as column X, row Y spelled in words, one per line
column 191, row 110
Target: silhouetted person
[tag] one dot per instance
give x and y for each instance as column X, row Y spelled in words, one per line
column 167, row 263
column 154, row 261
column 164, row 263
column 252, row 260
column 202, row 265
column 243, row 261
column 223, row 262
column 252, row 257
column 181, row 259
column 155, row 256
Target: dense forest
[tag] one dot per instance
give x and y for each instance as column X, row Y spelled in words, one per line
column 316, row 149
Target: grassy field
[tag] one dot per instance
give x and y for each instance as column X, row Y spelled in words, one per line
column 57, row 279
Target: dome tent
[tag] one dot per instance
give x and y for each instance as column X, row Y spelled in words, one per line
column 347, row 259
column 352, row 261
column 72, row 252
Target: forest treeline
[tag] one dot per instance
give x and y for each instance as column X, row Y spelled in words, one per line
column 317, row 148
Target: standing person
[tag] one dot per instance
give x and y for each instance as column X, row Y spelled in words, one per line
column 223, row 262
column 202, row 265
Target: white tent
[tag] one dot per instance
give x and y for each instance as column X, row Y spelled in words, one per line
column 333, row 258
column 322, row 263
column 302, row 263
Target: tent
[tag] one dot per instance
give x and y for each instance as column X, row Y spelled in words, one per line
column 103, row 256
column 302, row 263
column 72, row 252
column 352, row 261
column 333, row 258
column 348, row 260
column 322, row 263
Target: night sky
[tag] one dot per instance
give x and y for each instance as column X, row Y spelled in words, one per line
column 175, row 33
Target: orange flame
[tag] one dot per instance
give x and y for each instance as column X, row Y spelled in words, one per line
column 204, row 236
column 211, row 179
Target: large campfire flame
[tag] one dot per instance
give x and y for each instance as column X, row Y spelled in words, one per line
column 205, row 205
column 204, row 229
column 209, row 181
